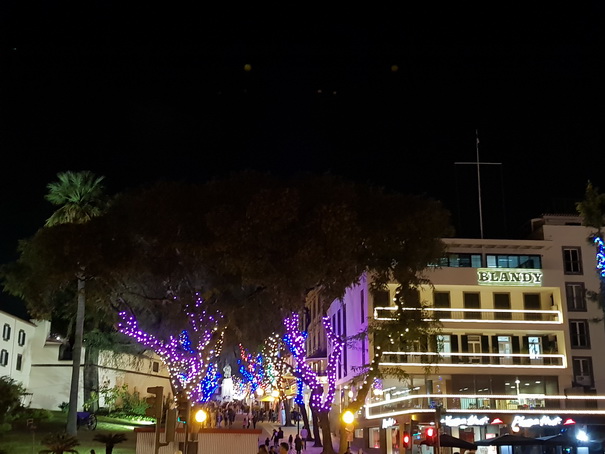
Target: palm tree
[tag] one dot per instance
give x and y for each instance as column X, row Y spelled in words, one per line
column 110, row 440
column 59, row 443
column 80, row 197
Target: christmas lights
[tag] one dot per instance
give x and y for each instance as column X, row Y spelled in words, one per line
column 192, row 364
column 600, row 256
column 321, row 400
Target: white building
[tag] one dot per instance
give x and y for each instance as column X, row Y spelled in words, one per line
column 42, row 364
column 520, row 344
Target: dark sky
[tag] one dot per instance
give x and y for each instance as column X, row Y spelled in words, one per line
column 392, row 97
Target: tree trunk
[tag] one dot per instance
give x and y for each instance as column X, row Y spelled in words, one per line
column 91, row 376
column 316, row 435
column 326, row 433
column 72, row 414
column 288, row 422
column 109, row 449
column 305, row 416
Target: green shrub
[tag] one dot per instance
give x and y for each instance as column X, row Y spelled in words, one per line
column 5, row 427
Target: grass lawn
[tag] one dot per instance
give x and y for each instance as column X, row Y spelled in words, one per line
column 22, row 440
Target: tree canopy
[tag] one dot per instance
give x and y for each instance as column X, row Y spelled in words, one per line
column 251, row 244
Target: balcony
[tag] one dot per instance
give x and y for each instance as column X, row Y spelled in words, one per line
column 475, row 360
column 463, row 315
column 482, row 404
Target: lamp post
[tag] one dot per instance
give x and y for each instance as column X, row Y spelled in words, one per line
column 348, row 418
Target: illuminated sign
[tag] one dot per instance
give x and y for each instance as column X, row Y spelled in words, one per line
column 510, row 276
column 472, row 420
column 388, row 422
column 522, row 421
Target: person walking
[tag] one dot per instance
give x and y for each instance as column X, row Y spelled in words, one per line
column 298, row 444
column 290, row 441
column 275, row 438
column 304, row 433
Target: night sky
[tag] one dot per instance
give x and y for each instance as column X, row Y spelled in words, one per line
column 392, row 97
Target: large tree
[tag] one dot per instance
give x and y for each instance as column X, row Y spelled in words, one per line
column 80, row 198
column 253, row 245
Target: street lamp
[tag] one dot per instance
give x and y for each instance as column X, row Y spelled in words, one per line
column 348, row 417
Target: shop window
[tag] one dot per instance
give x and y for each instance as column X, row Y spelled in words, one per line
column 3, row 358
column 579, row 334
column 572, row 260
column 374, row 437
column 6, row 332
column 576, row 296
column 21, row 338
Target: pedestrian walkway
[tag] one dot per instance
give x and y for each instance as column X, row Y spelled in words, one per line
column 267, row 428
column 267, row 431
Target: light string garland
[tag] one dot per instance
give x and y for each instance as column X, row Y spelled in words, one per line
column 295, row 340
column 600, row 256
column 192, row 366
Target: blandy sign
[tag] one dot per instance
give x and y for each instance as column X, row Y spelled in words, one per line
column 510, row 276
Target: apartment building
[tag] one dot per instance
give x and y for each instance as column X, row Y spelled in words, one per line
column 519, row 350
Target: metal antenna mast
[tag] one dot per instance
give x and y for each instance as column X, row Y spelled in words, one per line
column 478, row 164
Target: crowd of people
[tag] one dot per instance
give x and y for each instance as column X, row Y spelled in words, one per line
column 275, row 445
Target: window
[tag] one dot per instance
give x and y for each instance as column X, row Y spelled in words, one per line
column 502, row 301
column 6, row 332
column 472, row 301
column 582, row 370
column 65, row 352
column 344, row 335
column 19, row 364
column 444, row 345
column 3, row 358
column 513, row 261
column 505, row 347
column 21, row 338
column 442, row 300
column 461, row 260
column 381, row 298
column 362, row 306
column 531, row 303
column 572, row 260
column 474, row 346
column 155, row 366
column 534, row 345
column 576, row 296
column 579, row 334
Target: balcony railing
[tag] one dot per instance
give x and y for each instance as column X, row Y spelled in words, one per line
column 505, row 360
column 464, row 315
column 475, row 403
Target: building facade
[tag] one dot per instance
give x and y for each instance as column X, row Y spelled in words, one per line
column 31, row 355
column 519, row 349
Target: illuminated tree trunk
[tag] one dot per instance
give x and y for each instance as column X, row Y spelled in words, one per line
column 303, row 410
column 326, row 433
column 316, row 429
